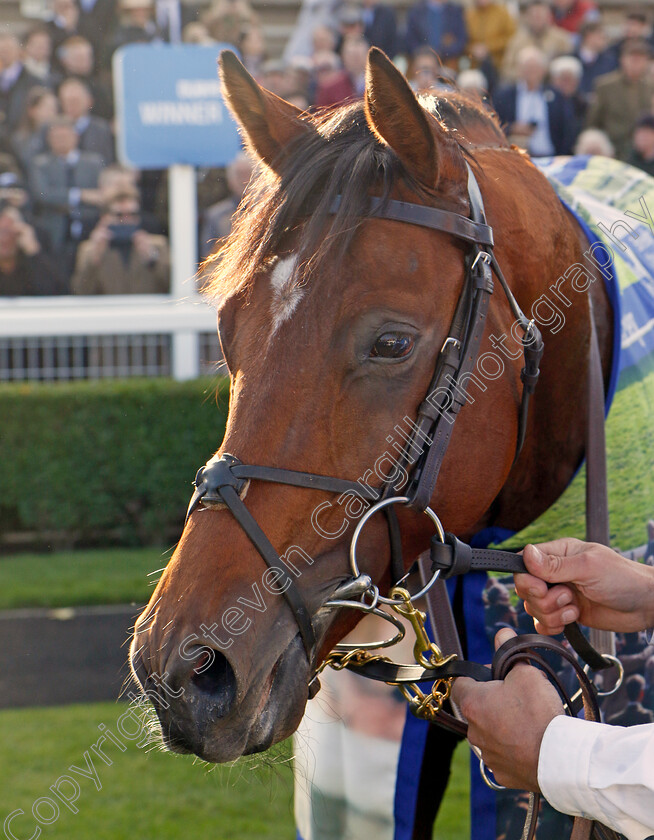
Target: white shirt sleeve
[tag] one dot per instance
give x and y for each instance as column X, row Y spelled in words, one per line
column 600, row 772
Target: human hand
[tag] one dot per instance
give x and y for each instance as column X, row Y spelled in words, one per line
column 99, row 240
column 91, row 196
column 26, row 239
column 596, row 586
column 143, row 246
column 508, row 718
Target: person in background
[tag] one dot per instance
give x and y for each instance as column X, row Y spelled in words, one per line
column 64, row 22
column 119, row 257
column 536, row 29
column 117, row 178
column 323, row 39
column 313, row 14
column 24, row 268
column 635, row 24
column 619, row 98
column 136, row 25
column 438, row 24
column 425, row 71
column 380, row 26
column 537, row 117
column 326, row 69
column 64, row 188
column 252, row 47
column 490, row 27
column 648, row 699
column 37, row 56
column 581, row 767
column 41, row 107
column 76, row 57
column 217, row 221
column 634, row 713
column 498, row 610
column 278, row 76
column 95, row 134
column 565, row 77
column 196, row 32
column 349, row 83
column 596, row 59
column 592, row 141
column 641, row 154
column 473, row 81
column 15, row 83
column 350, row 24
column 572, row 14
column 225, row 20
column 96, row 21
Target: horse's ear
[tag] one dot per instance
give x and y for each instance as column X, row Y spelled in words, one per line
column 268, row 122
column 399, row 120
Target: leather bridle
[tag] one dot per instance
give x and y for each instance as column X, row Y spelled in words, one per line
column 222, row 481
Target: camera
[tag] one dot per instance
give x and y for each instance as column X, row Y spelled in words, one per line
column 122, row 233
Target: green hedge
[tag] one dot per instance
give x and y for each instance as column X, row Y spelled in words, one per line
column 114, row 458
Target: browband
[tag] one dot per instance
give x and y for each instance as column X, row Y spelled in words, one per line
column 430, row 217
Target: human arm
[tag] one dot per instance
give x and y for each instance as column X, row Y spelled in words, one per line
column 27, row 240
column 581, row 767
column 600, row 771
column 153, row 253
column 85, row 277
column 592, row 584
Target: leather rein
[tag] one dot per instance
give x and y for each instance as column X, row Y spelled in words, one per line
column 223, row 482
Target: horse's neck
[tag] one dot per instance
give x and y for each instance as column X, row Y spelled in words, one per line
column 556, row 431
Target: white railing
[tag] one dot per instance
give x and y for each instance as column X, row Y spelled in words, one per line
column 110, row 335
column 76, row 337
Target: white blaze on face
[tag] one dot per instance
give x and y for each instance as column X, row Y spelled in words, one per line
column 286, row 293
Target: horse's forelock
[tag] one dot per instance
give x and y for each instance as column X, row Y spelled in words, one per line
column 342, row 158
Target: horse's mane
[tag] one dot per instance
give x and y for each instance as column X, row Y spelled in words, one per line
column 342, row 157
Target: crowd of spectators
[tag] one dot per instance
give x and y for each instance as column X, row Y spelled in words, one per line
column 72, row 220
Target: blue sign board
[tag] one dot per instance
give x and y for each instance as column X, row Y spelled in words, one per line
column 169, row 106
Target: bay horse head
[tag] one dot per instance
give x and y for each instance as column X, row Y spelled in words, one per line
column 332, row 316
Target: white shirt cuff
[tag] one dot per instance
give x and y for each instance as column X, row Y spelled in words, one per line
column 564, row 764
column 74, row 196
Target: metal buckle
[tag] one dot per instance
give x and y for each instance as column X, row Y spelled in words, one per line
column 451, row 340
column 481, row 255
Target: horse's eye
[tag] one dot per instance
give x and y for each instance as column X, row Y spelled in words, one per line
column 392, row 345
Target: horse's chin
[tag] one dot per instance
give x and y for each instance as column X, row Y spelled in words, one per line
column 268, row 713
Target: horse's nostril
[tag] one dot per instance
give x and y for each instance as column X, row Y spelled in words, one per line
column 214, row 677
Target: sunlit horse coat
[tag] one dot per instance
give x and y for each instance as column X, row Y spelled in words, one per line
column 359, row 753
